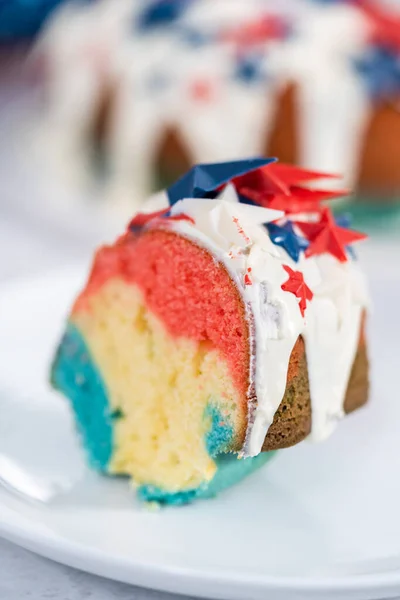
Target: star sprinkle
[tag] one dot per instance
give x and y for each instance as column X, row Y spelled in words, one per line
column 158, row 13
column 286, row 237
column 297, row 286
column 277, row 186
column 386, row 25
column 297, row 200
column 380, row 70
column 195, row 37
column 21, row 20
column 328, row 237
column 142, row 219
column 257, row 32
column 277, row 178
column 344, row 220
column 266, row 192
column 293, row 175
column 205, row 180
column 259, row 182
column 202, row 90
column 248, row 69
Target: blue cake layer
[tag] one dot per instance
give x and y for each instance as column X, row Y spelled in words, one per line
column 230, row 471
column 220, row 431
column 77, row 377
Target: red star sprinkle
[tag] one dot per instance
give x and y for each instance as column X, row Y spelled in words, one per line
column 297, row 200
column 260, row 181
column 306, row 194
column 297, row 286
column 292, row 175
column 385, row 24
column 277, row 186
column 141, row 219
column 327, row 237
column 291, row 205
column 202, row 90
column 256, row 32
column 261, row 198
column 304, row 200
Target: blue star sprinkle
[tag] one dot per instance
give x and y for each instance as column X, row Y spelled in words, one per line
column 162, row 12
column 345, row 220
column 380, row 70
column 22, row 19
column 195, row 38
column 249, row 69
column 284, row 236
column 203, row 181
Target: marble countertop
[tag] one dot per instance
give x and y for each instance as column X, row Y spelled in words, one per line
column 25, row 576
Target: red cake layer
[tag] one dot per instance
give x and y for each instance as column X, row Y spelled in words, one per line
column 185, row 287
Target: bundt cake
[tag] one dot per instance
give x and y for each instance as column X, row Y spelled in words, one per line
column 155, row 88
column 225, row 324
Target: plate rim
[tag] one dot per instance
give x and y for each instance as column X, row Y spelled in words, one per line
column 227, row 585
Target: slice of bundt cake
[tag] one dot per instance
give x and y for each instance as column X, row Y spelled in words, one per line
column 226, row 323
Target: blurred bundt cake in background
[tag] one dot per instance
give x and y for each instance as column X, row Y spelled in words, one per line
column 147, row 89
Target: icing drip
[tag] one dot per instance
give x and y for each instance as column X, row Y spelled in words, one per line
column 234, row 234
column 320, row 56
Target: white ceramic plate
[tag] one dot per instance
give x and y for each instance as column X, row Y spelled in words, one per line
column 318, row 522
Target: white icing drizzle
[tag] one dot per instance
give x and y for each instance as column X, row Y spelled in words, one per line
column 234, row 235
column 331, row 124
column 333, row 105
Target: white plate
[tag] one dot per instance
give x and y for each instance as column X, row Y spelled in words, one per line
column 319, row 521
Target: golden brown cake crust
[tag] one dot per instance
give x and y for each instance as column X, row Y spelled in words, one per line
column 358, row 387
column 292, row 421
